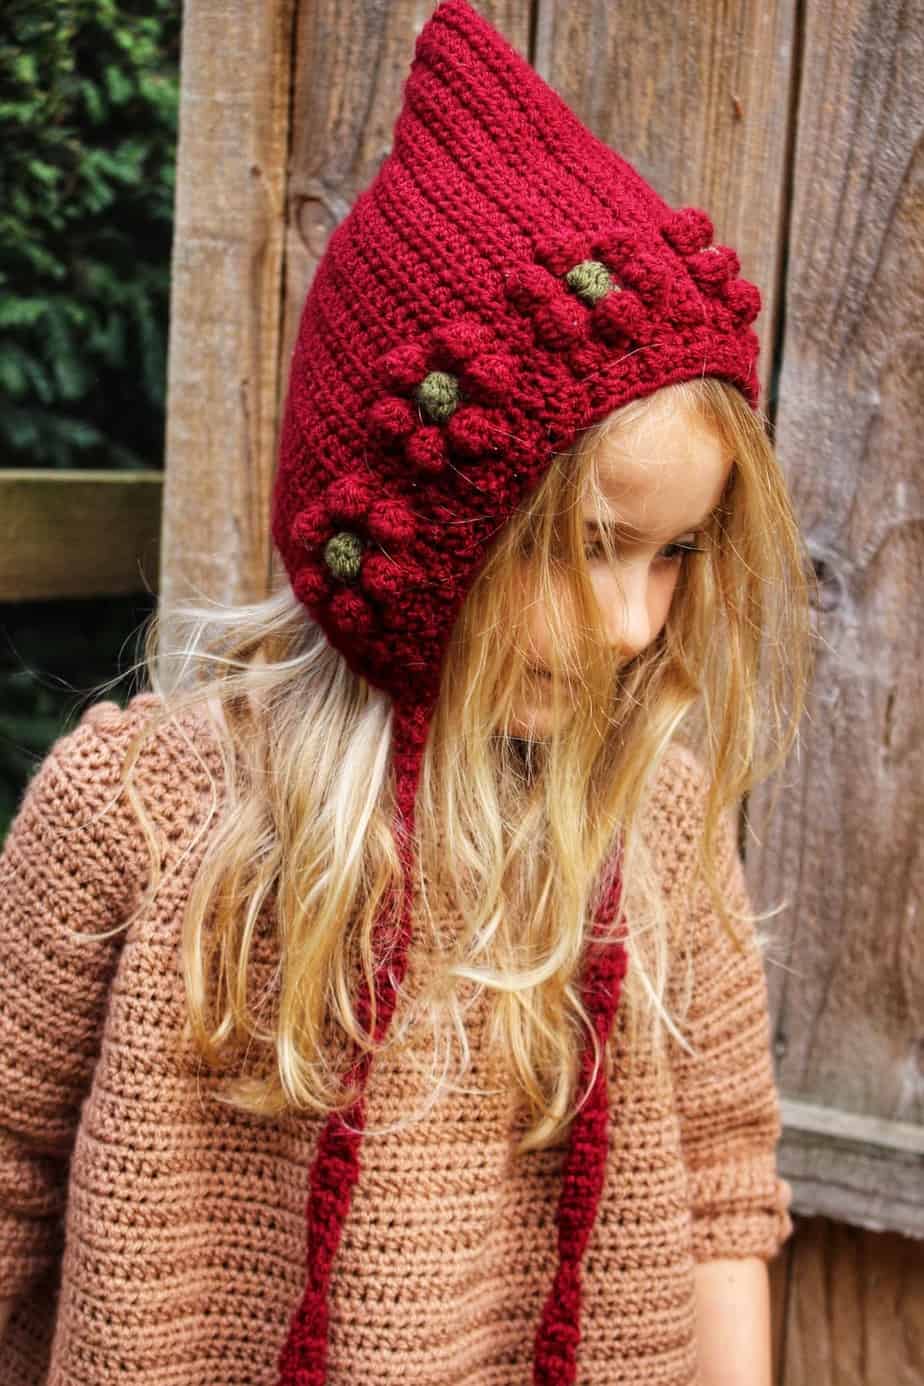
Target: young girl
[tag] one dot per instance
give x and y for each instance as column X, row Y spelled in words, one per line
column 382, row 997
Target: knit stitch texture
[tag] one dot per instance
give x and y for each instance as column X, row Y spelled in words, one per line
column 149, row 1234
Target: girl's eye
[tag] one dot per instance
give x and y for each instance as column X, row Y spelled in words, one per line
column 676, row 551
column 669, row 554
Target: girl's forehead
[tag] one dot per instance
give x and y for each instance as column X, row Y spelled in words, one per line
column 665, row 468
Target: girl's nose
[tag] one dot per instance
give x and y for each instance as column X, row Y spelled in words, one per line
column 628, row 623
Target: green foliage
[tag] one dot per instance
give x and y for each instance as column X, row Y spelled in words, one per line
column 88, row 118
column 53, row 656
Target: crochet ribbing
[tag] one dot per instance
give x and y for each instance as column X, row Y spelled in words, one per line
column 174, row 1226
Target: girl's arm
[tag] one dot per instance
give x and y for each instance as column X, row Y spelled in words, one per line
column 729, row 1116
column 733, row 1322
column 62, row 868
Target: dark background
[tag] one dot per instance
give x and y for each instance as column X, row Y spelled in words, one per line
column 88, row 119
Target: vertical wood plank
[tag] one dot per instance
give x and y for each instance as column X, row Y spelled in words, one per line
column 699, row 99
column 843, row 847
column 226, row 314
column 856, row 1311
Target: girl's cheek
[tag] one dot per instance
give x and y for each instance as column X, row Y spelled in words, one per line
column 662, row 594
column 537, row 634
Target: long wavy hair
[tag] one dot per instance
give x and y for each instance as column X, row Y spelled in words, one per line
column 511, row 832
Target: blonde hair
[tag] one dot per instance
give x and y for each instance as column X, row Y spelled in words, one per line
column 511, row 835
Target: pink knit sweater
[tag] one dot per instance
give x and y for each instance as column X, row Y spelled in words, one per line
column 151, row 1235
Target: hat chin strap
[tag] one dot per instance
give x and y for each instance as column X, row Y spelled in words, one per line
column 336, row 1166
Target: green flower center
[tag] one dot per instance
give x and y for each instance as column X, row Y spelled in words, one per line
column 438, row 393
column 342, row 555
column 591, row 280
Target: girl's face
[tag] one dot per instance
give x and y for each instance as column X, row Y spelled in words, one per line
column 662, row 476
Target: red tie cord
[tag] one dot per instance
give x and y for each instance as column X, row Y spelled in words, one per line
column 583, row 1171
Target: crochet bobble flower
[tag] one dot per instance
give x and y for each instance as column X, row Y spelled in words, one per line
column 441, row 398
column 357, row 544
column 715, row 268
column 444, row 397
column 608, row 287
column 605, row 287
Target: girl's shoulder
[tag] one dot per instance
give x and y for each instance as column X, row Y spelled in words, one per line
column 78, row 793
column 95, row 750
column 83, row 763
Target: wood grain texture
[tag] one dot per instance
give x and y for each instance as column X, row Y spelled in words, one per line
column 702, row 98
column 78, row 533
column 226, row 299
column 843, row 848
column 854, row 1307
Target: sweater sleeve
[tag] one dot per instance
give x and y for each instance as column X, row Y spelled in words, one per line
column 726, row 1095
column 63, row 868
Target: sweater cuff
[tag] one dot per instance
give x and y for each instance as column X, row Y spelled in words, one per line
column 740, row 1209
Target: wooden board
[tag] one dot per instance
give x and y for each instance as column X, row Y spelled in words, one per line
column 224, row 361
column 703, row 99
column 288, row 117
column 843, row 850
column 848, row 1307
column 78, row 533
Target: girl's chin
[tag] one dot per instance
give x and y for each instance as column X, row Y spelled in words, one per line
column 534, row 720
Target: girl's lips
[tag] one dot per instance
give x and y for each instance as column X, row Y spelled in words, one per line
column 546, row 676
